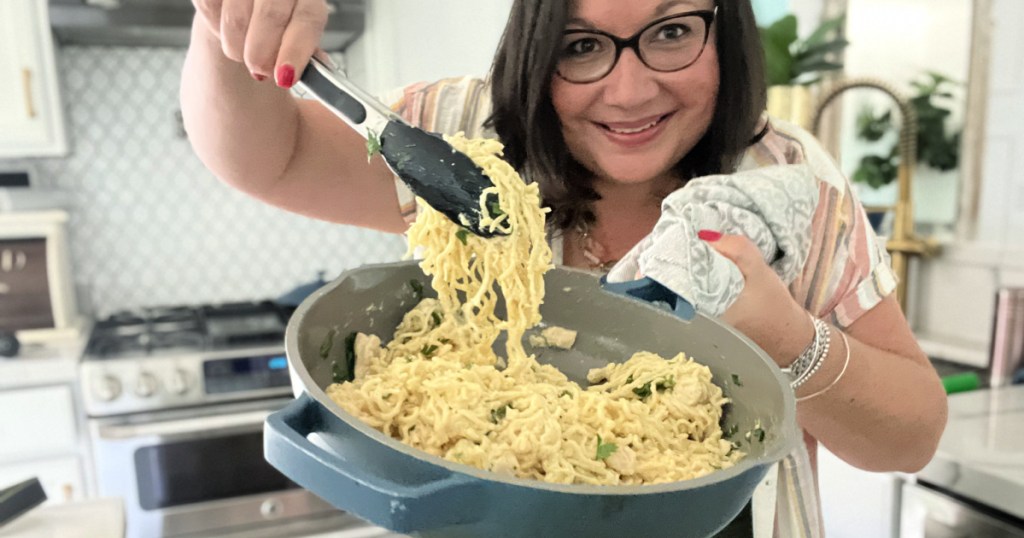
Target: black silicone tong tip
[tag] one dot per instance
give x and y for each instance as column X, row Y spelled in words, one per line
column 446, row 178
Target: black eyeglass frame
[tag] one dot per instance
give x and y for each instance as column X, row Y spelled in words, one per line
column 633, row 42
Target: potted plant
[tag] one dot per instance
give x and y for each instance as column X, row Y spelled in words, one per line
column 938, row 147
column 793, row 65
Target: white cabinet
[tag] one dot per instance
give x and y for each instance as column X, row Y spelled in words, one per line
column 856, row 503
column 40, row 438
column 31, row 118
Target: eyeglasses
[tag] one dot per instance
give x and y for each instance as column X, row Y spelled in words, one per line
column 668, row 44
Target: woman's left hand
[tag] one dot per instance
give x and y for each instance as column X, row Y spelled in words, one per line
column 765, row 311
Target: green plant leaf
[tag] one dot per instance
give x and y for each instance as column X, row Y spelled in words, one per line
column 822, row 49
column 783, row 32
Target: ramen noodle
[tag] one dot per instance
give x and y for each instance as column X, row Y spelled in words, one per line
column 437, row 384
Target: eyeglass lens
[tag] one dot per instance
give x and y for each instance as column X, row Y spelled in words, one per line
column 667, row 45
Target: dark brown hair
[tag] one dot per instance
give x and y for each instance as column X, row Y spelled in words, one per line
column 524, row 117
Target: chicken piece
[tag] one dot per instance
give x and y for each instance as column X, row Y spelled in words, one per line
column 367, row 348
column 554, row 336
column 623, row 460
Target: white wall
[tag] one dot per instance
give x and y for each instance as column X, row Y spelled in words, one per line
column 408, row 41
column 957, row 290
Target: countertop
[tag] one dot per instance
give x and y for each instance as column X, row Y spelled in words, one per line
column 981, row 454
column 82, row 519
column 38, row 364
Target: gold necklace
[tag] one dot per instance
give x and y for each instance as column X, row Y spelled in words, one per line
column 585, row 243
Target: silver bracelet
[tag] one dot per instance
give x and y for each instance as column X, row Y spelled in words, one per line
column 810, row 360
column 846, row 363
column 820, row 354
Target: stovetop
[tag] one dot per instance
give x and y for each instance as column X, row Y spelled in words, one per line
column 167, row 330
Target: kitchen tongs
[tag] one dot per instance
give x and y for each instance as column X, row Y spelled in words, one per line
column 445, row 178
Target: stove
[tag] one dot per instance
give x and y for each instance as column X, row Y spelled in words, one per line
column 180, row 356
column 175, row 399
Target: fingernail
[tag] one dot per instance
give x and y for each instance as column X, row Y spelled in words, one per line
column 285, row 76
column 709, row 235
column 259, row 77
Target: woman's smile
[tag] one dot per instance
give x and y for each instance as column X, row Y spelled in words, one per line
column 631, row 134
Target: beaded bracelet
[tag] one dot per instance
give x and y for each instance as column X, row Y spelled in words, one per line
column 822, row 340
column 846, row 363
column 810, row 360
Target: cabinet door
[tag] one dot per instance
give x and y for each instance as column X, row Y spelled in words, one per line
column 24, row 285
column 31, row 120
column 37, row 423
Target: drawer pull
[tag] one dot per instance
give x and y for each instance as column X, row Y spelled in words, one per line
column 26, row 80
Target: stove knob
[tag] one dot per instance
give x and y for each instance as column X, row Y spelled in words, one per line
column 108, row 388
column 146, row 385
column 178, row 382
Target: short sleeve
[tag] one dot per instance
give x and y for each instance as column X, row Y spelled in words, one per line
column 848, row 271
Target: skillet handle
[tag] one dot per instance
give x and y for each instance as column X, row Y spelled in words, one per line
column 361, row 476
column 650, row 290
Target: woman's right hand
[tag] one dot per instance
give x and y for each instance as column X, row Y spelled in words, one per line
column 273, row 38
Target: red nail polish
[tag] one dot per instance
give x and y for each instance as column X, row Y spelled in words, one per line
column 285, row 76
column 709, row 235
column 259, row 77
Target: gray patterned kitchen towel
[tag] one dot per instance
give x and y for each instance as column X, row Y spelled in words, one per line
column 773, row 206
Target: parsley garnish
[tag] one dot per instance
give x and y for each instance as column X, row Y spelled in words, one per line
column 643, row 391
column 462, row 235
column 668, row 383
column 565, row 393
column 445, row 341
column 372, row 144
column 336, row 374
column 328, row 343
column 494, row 208
column 428, row 349
column 436, row 317
column 730, row 431
column 629, row 379
column 417, row 289
column 756, row 433
column 604, row 450
column 499, row 413
column 736, row 380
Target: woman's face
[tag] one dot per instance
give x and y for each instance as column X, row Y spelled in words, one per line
column 635, row 124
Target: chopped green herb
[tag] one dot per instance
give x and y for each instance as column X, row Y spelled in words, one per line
column 328, row 343
column 417, row 289
column 668, row 383
column 336, row 373
column 629, row 379
column 565, row 393
column 462, row 235
column 756, row 433
column 436, row 317
column 350, row 355
column 372, row 144
column 428, row 349
column 643, row 391
column 499, row 413
column 604, row 450
column 386, row 397
column 736, row 380
column 736, row 445
column 730, row 431
column 494, row 208
column 412, row 428
column 445, row 341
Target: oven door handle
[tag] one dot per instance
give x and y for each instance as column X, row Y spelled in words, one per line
column 361, row 475
column 186, row 427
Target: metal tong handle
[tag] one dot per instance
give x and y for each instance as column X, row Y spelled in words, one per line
column 356, row 106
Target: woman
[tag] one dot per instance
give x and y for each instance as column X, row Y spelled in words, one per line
column 609, row 126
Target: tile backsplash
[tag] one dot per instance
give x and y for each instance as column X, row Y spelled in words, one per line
column 149, row 224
